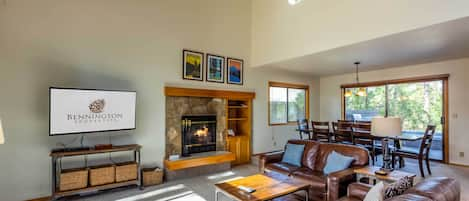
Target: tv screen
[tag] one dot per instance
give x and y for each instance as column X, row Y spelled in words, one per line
column 89, row 110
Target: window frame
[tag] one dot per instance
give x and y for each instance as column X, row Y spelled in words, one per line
column 287, row 86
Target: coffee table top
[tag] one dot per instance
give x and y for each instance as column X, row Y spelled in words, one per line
column 391, row 177
column 268, row 186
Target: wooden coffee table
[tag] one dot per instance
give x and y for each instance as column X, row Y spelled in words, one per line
column 268, row 186
column 390, row 178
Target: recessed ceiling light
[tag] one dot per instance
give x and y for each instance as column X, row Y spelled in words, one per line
column 294, row 2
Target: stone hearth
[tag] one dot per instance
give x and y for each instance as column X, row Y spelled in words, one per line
column 176, row 107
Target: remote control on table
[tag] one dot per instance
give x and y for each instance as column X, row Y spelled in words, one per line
column 247, row 189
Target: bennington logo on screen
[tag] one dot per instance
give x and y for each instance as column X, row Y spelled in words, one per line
column 97, row 114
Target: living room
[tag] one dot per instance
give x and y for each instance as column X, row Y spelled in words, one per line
column 141, row 46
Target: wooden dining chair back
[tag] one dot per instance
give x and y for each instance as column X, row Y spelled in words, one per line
column 363, row 122
column 342, row 132
column 303, row 127
column 321, row 131
column 422, row 155
column 345, row 121
column 361, row 134
column 427, row 140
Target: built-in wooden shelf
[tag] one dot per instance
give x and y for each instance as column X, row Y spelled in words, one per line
column 198, row 160
column 237, row 119
column 97, row 188
column 238, row 107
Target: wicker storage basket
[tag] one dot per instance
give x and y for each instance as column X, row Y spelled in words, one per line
column 73, row 179
column 126, row 171
column 152, row 176
column 100, row 175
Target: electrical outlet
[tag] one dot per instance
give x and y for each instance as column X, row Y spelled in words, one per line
column 461, row 154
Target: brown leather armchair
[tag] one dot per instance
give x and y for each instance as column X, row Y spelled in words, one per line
column 323, row 187
column 433, row 189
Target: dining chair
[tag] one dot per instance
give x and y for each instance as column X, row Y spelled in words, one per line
column 345, row 121
column 421, row 155
column 342, row 132
column 321, row 131
column 303, row 127
column 361, row 134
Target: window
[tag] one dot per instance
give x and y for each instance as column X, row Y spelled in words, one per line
column 418, row 102
column 287, row 103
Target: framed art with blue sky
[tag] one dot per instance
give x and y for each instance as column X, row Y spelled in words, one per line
column 235, row 71
column 215, row 68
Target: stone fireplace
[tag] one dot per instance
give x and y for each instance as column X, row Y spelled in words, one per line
column 201, row 110
column 199, row 134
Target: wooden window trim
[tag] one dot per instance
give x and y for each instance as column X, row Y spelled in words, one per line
column 440, row 77
column 291, row 86
column 397, row 81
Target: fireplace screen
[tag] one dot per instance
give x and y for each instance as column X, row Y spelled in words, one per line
column 199, row 134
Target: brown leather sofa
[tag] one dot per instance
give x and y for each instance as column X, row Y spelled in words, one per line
column 323, row 187
column 433, row 189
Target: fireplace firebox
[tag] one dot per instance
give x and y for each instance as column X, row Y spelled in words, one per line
column 199, row 134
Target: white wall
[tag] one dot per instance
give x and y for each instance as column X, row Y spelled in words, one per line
column 281, row 31
column 114, row 44
column 330, row 109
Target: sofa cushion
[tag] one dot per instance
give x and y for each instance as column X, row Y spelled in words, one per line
column 337, row 162
column 283, row 168
column 293, row 154
column 360, row 154
column 315, row 178
column 438, row 189
column 398, row 188
column 376, row 193
column 310, row 152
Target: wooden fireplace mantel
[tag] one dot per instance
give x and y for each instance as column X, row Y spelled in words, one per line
column 211, row 93
column 201, row 160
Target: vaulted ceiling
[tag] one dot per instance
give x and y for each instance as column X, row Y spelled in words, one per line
column 325, row 37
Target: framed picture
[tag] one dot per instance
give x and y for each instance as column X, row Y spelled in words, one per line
column 192, row 65
column 215, row 68
column 235, row 71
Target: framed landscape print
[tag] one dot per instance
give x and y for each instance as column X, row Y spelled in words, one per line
column 235, row 71
column 192, row 65
column 215, row 68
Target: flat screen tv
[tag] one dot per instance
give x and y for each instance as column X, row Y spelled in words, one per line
column 74, row 111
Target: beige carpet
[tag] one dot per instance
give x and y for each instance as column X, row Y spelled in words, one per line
column 201, row 188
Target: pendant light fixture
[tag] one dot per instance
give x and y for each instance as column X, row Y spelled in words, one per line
column 361, row 91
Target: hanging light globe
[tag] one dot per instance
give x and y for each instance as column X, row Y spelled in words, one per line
column 361, row 92
column 348, row 93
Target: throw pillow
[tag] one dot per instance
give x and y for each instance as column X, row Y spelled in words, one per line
column 337, row 162
column 376, row 193
column 293, row 154
column 398, row 188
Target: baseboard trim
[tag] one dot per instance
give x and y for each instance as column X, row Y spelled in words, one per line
column 41, row 199
column 459, row 165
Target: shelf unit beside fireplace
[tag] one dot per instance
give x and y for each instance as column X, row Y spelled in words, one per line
column 239, row 120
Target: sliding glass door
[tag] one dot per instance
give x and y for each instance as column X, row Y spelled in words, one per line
column 418, row 103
